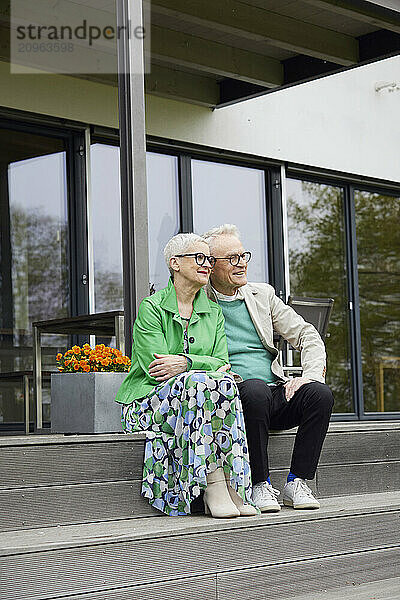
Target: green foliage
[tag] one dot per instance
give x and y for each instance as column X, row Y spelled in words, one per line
column 318, row 267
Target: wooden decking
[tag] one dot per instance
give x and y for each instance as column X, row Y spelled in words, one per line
column 74, row 526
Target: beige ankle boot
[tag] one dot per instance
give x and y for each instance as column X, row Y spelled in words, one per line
column 246, row 510
column 217, row 500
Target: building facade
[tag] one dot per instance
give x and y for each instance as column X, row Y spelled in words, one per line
column 310, row 174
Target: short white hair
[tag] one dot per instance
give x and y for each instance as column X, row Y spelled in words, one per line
column 227, row 229
column 179, row 244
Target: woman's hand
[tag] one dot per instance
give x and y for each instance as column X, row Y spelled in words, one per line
column 166, row 366
column 224, row 368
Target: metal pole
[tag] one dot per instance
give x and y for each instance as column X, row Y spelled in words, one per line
column 37, row 376
column 26, row 403
column 135, row 250
column 119, row 333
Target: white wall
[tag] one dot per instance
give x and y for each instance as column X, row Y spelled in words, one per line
column 339, row 122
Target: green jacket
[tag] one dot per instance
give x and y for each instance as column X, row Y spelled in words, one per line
column 159, row 329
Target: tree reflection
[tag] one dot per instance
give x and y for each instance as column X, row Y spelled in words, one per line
column 378, row 249
column 39, row 262
column 318, row 268
column 108, row 290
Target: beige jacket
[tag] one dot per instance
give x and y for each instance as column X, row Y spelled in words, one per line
column 269, row 314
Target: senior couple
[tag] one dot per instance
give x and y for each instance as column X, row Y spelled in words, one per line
column 191, row 341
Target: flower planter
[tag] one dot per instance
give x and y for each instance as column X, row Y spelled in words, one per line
column 85, row 402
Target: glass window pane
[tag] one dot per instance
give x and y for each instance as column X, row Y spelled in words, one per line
column 106, row 227
column 317, row 266
column 163, row 212
column 378, row 251
column 229, row 194
column 34, row 278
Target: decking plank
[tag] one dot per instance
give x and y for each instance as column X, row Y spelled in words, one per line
column 89, row 569
column 60, row 464
column 120, row 458
column 44, row 506
column 352, row 576
column 386, row 589
column 70, row 536
column 358, row 478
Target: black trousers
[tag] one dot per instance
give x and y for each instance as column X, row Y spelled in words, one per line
column 265, row 407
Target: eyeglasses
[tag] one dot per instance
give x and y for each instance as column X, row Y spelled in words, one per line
column 234, row 259
column 200, row 258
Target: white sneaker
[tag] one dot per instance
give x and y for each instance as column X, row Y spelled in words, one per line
column 264, row 497
column 297, row 494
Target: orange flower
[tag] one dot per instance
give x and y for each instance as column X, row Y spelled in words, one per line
column 100, row 358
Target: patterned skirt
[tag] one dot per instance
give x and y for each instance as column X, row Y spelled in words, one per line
column 194, row 424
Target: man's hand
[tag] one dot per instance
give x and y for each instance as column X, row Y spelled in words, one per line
column 166, row 366
column 293, row 385
column 224, row 368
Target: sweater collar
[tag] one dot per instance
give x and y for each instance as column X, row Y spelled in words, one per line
column 223, row 297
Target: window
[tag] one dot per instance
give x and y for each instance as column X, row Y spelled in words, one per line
column 34, row 273
column 225, row 193
column 378, row 257
column 163, row 214
column 317, row 268
column 106, row 227
column 163, row 210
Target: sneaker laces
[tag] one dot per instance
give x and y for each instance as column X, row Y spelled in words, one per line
column 267, row 491
column 301, row 485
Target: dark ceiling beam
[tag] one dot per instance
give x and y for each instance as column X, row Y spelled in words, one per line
column 252, row 22
column 300, row 68
column 179, row 85
column 182, row 49
column 379, row 44
column 232, row 90
column 365, row 12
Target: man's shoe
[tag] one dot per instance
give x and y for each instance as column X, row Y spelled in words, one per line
column 264, row 497
column 296, row 493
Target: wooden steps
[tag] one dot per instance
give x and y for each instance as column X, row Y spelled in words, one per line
column 351, row 540
column 73, row 525
column 60, row 479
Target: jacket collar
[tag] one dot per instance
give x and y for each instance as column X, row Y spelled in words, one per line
column 170, row 303
column 245, row 290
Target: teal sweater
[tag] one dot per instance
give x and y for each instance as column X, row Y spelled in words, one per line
column 247, row 355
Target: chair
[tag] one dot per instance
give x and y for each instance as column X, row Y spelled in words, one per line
column 316, row 311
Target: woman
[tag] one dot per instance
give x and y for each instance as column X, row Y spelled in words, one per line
column 179, row 393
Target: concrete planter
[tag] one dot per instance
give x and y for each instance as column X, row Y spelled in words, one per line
column 84, row 402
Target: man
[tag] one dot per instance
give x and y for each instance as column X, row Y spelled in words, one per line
column 270, row 401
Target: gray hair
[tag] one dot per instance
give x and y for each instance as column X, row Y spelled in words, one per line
column 178, row 245
column 227, row 229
